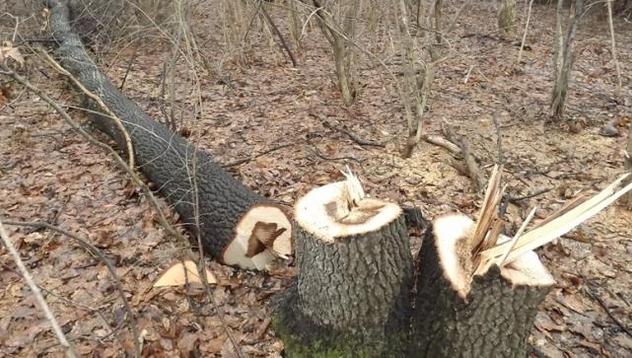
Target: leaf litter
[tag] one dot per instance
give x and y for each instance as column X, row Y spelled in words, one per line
column 49, row 173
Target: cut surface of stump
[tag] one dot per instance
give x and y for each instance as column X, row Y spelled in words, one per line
column 459, row 313
column 351, row 296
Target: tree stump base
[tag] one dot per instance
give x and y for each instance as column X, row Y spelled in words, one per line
column 352, row 294
column 458, row 314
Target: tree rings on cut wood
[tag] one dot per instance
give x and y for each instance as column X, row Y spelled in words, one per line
column 263, row 233
column 351, row 296
column 458, row 314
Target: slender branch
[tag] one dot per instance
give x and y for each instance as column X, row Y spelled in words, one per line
column 614, row 47
column 524, row 34
column 99, row 101
column 61, row 337
column 133, row 175
column 275, row 29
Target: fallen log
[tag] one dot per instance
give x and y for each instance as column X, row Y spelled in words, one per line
column 237, row 226
column 351, row 296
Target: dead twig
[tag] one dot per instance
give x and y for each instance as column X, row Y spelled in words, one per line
column 61, row 337
column 499, row 146
column 603, row 305
column 117, row 121
column 515, row 199
column 314, row 150
column 246, row 160
column 282, row 43
column 74, row 125
column 354, row 137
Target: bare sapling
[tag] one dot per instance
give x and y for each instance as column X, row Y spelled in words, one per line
column 338, row 25
column 564, row 55
column 421, row 53
column 627, row 199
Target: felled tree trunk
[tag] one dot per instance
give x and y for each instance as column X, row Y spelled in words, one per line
column 351, row 297
column 458, row 314
column 237, row 226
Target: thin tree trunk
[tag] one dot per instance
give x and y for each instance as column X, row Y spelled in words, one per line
column 564, row 57
column 339, row 37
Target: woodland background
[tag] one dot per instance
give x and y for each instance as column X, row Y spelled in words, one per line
column 284, row 129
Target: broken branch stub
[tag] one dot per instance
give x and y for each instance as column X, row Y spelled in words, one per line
column 237, row 226
column 459, row 313
column 351, row 296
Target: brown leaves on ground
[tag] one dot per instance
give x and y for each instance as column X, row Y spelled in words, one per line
column 49, row 173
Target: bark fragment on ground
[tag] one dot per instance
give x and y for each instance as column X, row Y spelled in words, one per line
column 351, row 297
column 237, row 226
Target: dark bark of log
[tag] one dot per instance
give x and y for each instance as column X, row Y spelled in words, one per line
column 351, row 297
column 494, row 319
column 167, row 159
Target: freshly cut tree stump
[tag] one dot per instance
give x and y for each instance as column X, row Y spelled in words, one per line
column 237, row 226
column 459, row 314
column 352, row 293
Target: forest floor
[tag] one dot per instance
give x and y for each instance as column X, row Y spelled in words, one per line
column 48, row 172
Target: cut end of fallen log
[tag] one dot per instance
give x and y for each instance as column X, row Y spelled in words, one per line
column 263, row 234
column 340, row 210
column 452, row 238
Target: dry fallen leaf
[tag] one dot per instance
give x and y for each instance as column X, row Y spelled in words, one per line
column 177, row 276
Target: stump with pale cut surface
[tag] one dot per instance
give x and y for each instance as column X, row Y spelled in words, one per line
column 351, row 296
column 458, row 314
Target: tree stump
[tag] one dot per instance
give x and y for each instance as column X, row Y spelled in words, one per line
column 352, row 293
column 458, row 314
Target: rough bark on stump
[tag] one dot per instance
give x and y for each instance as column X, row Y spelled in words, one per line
column 352, row 293
column 490, row 315
column 237, row 226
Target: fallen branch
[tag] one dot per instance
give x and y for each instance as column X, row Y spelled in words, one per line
column 61, row 337
column 515, row 199
column 354, row 137
column 260, row 154
column 442, row 142
column 470, row 162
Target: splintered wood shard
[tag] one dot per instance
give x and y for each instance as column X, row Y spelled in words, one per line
column 559, row 226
